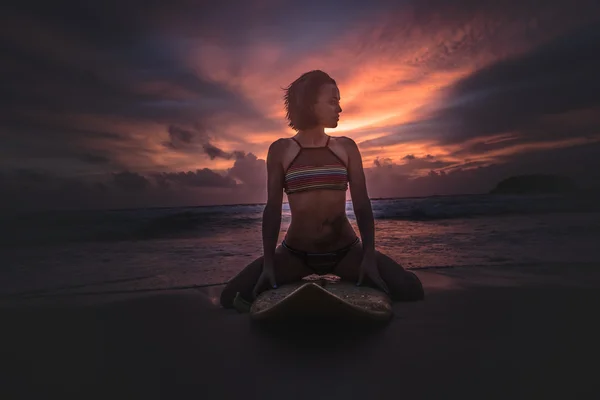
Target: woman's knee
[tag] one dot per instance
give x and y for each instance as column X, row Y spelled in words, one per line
column 243, row 283
column 404, row 285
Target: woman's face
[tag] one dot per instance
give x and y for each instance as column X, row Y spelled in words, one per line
column 327, row 109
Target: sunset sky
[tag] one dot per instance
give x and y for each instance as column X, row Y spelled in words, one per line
column 149, row 103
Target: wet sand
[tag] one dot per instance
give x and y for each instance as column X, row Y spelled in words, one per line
column 480, row 333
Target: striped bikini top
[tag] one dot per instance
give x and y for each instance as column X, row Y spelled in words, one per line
column 315, row 168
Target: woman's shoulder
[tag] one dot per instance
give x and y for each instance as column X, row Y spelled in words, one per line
column 280, row 147
column 343, row 141
column 280, row 144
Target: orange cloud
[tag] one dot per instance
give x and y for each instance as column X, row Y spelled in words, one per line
column 402, row 73
column 390, row 70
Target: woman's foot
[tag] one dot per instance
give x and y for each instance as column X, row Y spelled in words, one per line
column 241, row 304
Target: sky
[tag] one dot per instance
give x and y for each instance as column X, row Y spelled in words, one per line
column 151, row 104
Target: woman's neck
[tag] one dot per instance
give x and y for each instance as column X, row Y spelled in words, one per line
column 313, row 136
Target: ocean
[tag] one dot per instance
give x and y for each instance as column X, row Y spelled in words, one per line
column 104, row 251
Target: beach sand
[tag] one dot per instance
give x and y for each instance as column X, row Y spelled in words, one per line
column 526, row 332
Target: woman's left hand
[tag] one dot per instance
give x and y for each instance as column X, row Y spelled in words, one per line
column 368, row 268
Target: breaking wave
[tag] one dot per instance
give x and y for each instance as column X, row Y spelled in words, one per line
column 164, row 223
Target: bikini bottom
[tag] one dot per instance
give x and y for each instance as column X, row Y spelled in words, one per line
column 321, row 263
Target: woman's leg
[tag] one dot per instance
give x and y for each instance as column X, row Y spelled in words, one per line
column 243, row 282
column 288, row 268
column 403, row 285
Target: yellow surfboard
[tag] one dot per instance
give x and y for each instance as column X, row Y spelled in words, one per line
column 326, row 298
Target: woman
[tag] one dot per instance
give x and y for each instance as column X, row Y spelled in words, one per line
column 314, row 170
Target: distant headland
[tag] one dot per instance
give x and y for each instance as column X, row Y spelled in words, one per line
column 535, row 184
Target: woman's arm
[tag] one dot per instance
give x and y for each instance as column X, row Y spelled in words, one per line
column 364, row 217
column 271, row 223
column 360, row 198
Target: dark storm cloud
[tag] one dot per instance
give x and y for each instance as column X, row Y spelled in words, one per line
column 427, row 162
column 250, row 170
column 184, row 138
column 303, row 23
column 514, row 94
column 195, row 140
column 214, row 152
column 110, row 83
column 31, row 176
column 99, row 58
column 556, row 78
column 27, row 128
column 127, row 66
column 91, row 57
column 247, row 169
column 579, row 163
column 33, row 188
column 243, row 22
column 411, row 164
column 27, row 189
column 181, row 135
column 88, row 59
column 99, row 55
column 200, row 178
column 95, row 158
column 130, row 181
column 26, row 179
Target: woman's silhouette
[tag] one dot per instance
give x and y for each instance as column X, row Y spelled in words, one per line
column 314, row 170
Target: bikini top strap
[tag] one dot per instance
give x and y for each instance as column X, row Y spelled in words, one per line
column 295, row 140
column 327, row 142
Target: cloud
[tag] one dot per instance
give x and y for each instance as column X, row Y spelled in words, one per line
column 514, row 96
column 578, row 162
column 130, row 181
column 390, row 179
column 382, row 162
column 200, row 178
column 181, row 137
column 250, row 170
column 30, row 189
column 244, row 182
column 28, row 176
column 188, row 140
column 411, row 164
column 214, row 152
column 197, row 140
column 193, row 87
column 95, row 158
column 556, row 78
column 103, row 88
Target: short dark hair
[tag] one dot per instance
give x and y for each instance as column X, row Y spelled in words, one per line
column 301, row 95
